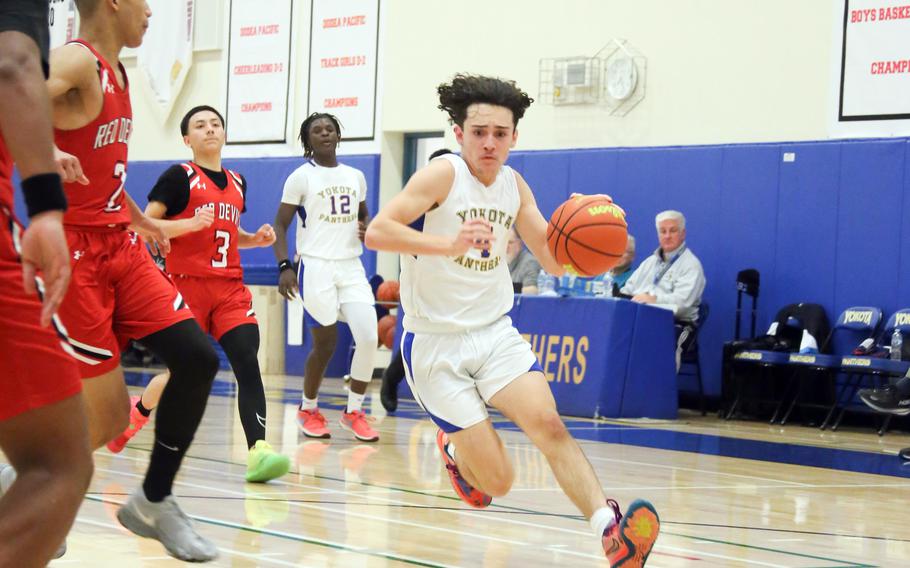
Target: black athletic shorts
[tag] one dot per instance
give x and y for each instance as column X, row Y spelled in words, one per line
column 31, row 18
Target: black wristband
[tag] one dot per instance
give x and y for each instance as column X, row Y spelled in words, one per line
column 285, row 265
column 43, row 192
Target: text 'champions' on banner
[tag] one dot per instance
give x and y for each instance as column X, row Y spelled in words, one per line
column 343, row 63
column 258, row 71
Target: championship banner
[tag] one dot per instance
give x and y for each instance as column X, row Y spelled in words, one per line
column 166, row 53
column 258, row 71
column 874, row 78
column 62, row 21
column 343, row 63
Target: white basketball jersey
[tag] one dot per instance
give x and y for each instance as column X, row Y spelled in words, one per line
column 442, row 294
column 329, row 199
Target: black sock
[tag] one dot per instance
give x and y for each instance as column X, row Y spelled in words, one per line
column 142, row 410
column 241, row 345
column 189, row 356
column 163, row 467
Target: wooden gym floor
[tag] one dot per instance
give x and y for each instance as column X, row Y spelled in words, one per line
column 730, row 494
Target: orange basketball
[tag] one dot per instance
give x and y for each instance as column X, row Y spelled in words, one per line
column 386, row 329
column 587, row 234
column 388, row 291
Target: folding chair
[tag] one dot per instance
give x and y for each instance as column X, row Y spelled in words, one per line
column 875, row 365
column 853, row 326
column 689, row 359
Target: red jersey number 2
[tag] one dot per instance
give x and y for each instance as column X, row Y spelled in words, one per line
column 113, row 204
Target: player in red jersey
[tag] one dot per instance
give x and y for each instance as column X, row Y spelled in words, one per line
column 42, row 418
column 201, row 203
column 117, row 292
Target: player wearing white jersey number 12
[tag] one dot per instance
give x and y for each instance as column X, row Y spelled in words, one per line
column 329, row 200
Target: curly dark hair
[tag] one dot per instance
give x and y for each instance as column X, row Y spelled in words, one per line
column 305, row 130
column 465, row 90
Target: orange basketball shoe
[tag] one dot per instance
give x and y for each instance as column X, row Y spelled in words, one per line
column 468, row 494
column 358, row 424
column 628, row 540
column 312, row 423
column 137, row 421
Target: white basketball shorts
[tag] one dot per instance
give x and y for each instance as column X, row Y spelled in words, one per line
column 326, row 284
column 454, row 375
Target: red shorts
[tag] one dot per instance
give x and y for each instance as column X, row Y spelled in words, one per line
column 35, row 370
column 219, row 304
column 117, row 294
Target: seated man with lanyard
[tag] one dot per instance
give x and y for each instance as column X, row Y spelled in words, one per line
column 671, row 278
column 523, row 267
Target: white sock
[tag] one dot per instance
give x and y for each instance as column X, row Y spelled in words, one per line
column 355, row 401
column 309, row 404
column 601, row 519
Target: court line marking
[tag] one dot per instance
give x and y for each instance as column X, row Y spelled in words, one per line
column 120, row 529
column 783, row 484
column 333, row 509
column 657, row 548
column 279, row 534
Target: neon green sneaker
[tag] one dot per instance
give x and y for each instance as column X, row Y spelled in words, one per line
column 264, row 464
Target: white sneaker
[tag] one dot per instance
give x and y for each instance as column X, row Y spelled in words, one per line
column 167, row 524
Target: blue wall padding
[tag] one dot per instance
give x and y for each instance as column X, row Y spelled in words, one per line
column 831, row 227
column 868, row 225
column 903, row 281
column 807, row 219
column 825, row 228
column 265, row 181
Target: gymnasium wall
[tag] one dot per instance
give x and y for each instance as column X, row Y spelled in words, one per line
column 830, row 227
column 717, row 71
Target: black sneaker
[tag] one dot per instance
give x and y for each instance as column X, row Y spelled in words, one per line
column 388, row 394
column 886, row 399
column 904, row 455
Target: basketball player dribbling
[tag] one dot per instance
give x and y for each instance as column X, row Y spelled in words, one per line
column 460, row 350
column 200, row 204
column 42, row 417
column 117, row 291
column 329, row 200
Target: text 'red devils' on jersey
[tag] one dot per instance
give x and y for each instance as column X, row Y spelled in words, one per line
column 213, row 251
column 101, row 147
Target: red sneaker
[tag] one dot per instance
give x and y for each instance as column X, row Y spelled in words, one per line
column 137, row 421
column 358, row 424
column 628, row 540
column 312, row 423
column 463, row 489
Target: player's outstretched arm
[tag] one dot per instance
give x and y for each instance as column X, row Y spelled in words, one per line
column 390, row 231
column 147, row 228
column 532, row 228
column 263, row 237
column 173, row 228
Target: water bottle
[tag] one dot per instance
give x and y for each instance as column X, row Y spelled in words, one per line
column 608, row 285
column 545, row 284
column 897, row 344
